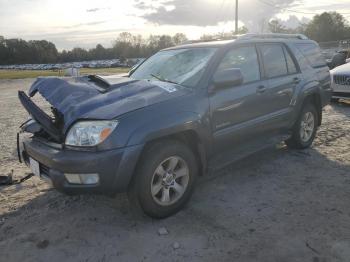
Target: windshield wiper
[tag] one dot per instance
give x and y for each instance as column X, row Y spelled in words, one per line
column 160, row 78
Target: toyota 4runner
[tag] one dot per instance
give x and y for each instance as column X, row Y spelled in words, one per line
column 184, row 111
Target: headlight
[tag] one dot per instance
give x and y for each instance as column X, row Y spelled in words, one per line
column 90, row 133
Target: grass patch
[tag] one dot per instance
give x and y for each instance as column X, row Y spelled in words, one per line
column 20, row 74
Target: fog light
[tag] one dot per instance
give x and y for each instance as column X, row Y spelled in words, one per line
column 73, row 178
column 82, row 179
column 89, row 179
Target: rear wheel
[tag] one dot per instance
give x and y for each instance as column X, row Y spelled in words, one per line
column 305, row 128
column 165, row 179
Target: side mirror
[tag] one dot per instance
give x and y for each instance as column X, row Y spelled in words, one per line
column 228, row 78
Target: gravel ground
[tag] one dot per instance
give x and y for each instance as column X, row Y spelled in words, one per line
column 277, row 205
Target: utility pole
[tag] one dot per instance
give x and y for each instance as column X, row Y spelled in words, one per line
column 236, row 19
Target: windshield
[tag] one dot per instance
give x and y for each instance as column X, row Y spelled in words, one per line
column 181, row 66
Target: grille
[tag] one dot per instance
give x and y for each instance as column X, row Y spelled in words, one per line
column 343, row 80
column 44, row 170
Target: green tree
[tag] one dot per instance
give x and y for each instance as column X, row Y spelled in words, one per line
column 165, row 41
column 276, row 27
column 328, row 26
column 243, row 30
column 179, row 38
column 99, row 52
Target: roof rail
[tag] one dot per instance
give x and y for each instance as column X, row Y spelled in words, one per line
column 207, row 40
column 272, row 35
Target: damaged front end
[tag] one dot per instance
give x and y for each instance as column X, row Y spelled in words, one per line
column 41, row 124
column 75, row 145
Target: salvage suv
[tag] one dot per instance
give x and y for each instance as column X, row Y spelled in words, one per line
column 183, row 112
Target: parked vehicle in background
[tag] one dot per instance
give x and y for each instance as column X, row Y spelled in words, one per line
column 84, row 64
column 340, row 82
column 181, row 113
column 339, row 58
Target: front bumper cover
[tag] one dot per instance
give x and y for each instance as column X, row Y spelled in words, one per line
column 115, row 167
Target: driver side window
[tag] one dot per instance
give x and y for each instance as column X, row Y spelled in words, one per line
column 244, row 58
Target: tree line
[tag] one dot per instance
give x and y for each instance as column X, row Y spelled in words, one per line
column 127, row 45
column 325, row 27
column 328, row 26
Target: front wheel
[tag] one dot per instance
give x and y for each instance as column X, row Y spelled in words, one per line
column 164, row 180
column 304, row 131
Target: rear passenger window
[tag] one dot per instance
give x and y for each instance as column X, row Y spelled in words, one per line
column 313, row 54
column 244, row 58
column 274, row 60
column 292, row 69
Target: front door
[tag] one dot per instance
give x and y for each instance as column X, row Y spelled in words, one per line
column 237, row 111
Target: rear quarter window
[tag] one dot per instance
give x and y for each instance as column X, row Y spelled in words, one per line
column 313, row 54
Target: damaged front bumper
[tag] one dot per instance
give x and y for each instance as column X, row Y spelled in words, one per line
column 114, row 167
column 56, row 162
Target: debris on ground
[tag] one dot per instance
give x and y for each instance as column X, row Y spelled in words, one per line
column 43, row 244
column 163, row 231
column 176, row 245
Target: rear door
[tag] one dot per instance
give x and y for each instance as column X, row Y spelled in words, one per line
column 283, row 76
column 236, row 110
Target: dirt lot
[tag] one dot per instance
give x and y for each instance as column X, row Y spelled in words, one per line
column 278, row 205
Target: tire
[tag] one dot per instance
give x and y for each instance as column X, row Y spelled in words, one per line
column 298, row 140
column 154, row 190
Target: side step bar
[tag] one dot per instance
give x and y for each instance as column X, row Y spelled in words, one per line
column 40, row 116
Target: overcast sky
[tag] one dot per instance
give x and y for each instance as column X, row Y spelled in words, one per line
column 84, row 23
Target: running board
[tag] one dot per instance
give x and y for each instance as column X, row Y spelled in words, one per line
column 229, row 157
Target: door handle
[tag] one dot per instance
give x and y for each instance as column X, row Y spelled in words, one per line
column 296, row 80
column 261, row 89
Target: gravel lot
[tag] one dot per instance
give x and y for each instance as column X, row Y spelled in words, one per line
column 277, row 205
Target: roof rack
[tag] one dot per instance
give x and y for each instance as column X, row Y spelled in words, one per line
column 207, row 40
column 264, row 36
column 250, row 36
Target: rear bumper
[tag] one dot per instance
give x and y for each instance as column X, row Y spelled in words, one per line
column 115, row 167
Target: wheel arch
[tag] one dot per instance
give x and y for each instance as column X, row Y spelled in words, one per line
column 315, row 99
column 188, row 137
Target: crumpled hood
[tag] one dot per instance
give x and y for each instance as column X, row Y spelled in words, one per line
column 78, row 98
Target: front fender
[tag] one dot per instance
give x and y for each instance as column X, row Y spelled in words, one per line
column 165, row 125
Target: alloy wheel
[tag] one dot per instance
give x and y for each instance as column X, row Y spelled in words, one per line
column 170, row 181
column 307, row 126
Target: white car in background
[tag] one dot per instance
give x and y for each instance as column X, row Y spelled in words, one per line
column 341, row 82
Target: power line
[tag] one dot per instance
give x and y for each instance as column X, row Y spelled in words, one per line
column 292, row 11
